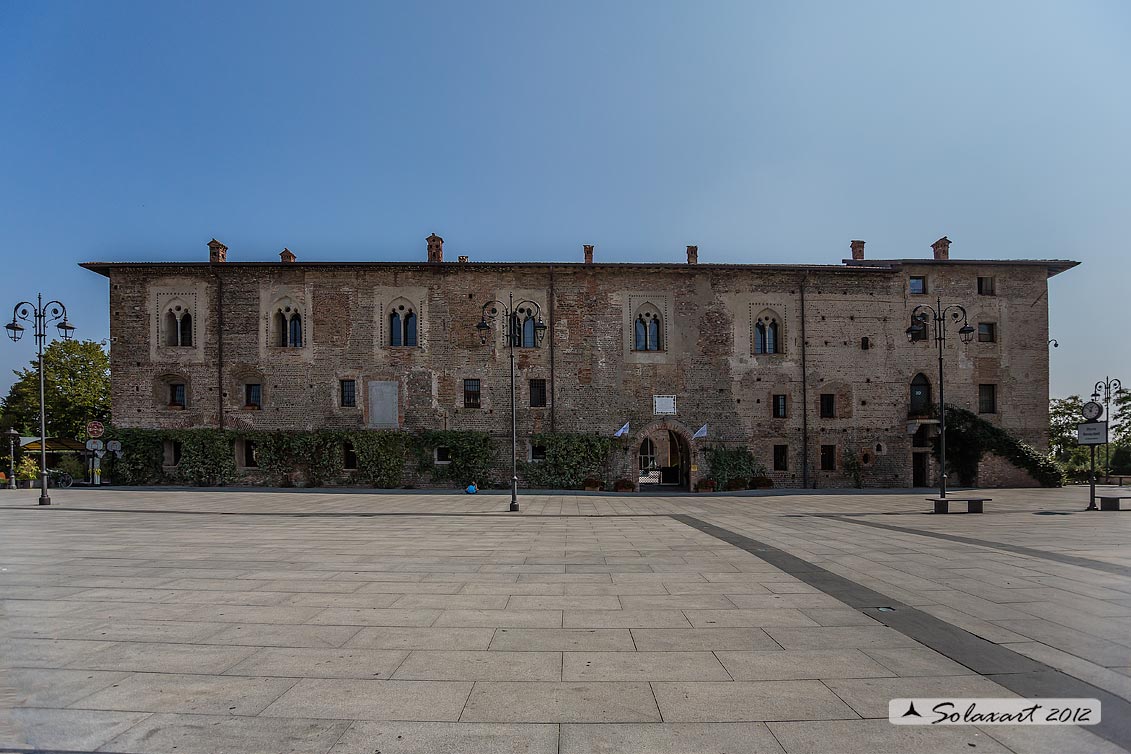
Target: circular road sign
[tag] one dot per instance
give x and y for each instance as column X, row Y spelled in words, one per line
column 94, row 429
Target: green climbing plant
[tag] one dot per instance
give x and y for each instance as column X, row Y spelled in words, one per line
column 969, row 437
column 571, row 458
column 725, row 464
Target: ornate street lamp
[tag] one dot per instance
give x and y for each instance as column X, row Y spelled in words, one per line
column 1053, row 343
column 953, row 314
column 1106, row 388
column 40, row 315
column 514, row 316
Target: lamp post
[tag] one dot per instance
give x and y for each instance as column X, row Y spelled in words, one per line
column 952, row 314
column 13, row 437
column 1109, row 387
column 1053, row 343
column 40, row 315
column 515, row 316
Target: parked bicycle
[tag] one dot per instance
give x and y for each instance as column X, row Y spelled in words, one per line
column 60, row 479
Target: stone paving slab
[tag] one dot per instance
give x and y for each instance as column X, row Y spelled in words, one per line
column 348, row 699
column 448, row 738
column 879, row 737
column 198, row 694
column 64, row 730
column 578, row 702
column 288, row 662
column 668, row 738
column 207, row 734
column 747, row 701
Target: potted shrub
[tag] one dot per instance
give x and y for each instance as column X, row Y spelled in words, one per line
column 591, row 485
column 623, row 485
column 27, row 470
column 736, row 484
column 705, row 485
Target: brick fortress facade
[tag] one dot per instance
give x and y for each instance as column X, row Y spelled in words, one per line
column 809, row 366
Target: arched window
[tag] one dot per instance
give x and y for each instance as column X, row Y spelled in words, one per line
column 920, row 396
column 648, row 329
column 186, row 330
column 402, row 324
column 294, row 334
column 176, row 325
column 396, row 331
column 767, row 334
column 410, row 329
column 528, row 332
column 280, row 322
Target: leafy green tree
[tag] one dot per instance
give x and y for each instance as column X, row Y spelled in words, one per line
column 77, row 389
column 1064, row 415
column 1121, row 417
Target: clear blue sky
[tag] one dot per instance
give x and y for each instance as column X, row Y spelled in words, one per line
column 764, row 132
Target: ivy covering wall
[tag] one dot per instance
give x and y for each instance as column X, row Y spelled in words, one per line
column 570, row 460
column 732, row 465
column 969, row 437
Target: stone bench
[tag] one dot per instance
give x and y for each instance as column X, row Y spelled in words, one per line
column 973, row 504
column 1111, row 502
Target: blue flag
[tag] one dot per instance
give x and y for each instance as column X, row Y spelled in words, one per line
column 622, row 431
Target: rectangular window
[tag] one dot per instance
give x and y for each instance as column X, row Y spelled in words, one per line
column 443, row 455
column 781, row 458
column 471, row 393
column 349, row 393
column 249, row 459
column 538, row 393
column 987, row 332
column 828, row 406
column 253, row 396
column 985, row 286
column 537, row 452
column 172, row 453
column 987, row 399
column 177, row 394
column 918, row 284
column 778, row 404
column 828, row 458
column 349, row 456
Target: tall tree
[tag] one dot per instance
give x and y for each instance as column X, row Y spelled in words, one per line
column 1121, row 417
column 77, row 389
column 1064, row 415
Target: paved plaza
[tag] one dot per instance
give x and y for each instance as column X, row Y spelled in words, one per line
column 250, row 621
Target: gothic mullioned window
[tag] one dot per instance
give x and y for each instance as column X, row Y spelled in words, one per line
column 176, row 325
column 648, row 329
column 286, row 325
column 402, row 320
column 768, row 333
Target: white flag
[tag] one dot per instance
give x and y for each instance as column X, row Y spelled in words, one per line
column 622, row 431
column 702, row 432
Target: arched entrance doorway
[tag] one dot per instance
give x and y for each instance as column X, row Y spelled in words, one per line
column 662, row 459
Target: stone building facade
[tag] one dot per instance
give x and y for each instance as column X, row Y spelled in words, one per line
column 809, row 366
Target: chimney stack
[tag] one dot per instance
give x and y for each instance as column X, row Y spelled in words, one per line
column 588, row 253
column 217, row 252
column 435, row 248
column 463, row 260
column 942, row 248
column 286, row 256
column 693, row 255
column 857, row 249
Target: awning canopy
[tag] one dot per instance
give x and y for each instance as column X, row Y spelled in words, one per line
column 55, row 444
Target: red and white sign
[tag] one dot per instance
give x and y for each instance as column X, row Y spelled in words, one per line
column 95, row 429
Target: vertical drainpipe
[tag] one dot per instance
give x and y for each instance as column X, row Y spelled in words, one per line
column 804, row 393
column 219, row 349
column 553, row 396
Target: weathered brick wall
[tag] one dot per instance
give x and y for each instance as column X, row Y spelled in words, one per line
column 595, row 381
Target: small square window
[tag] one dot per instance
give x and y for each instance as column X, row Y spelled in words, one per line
column 828, row 405
column 537, row 452
column 443, row 455
column 348, row 391
column 985, row 286
column 253, row 395
column 538, row 393
column 177, row 395
column 987, row 399
column 778, row 403
column 172, row 453
column 828, row 458
column 987, row 332
column 349, row 456
column 781, row 458
column 918, row 284
column 471, row 394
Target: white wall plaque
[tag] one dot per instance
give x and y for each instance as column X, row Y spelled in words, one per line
column 663, row 404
